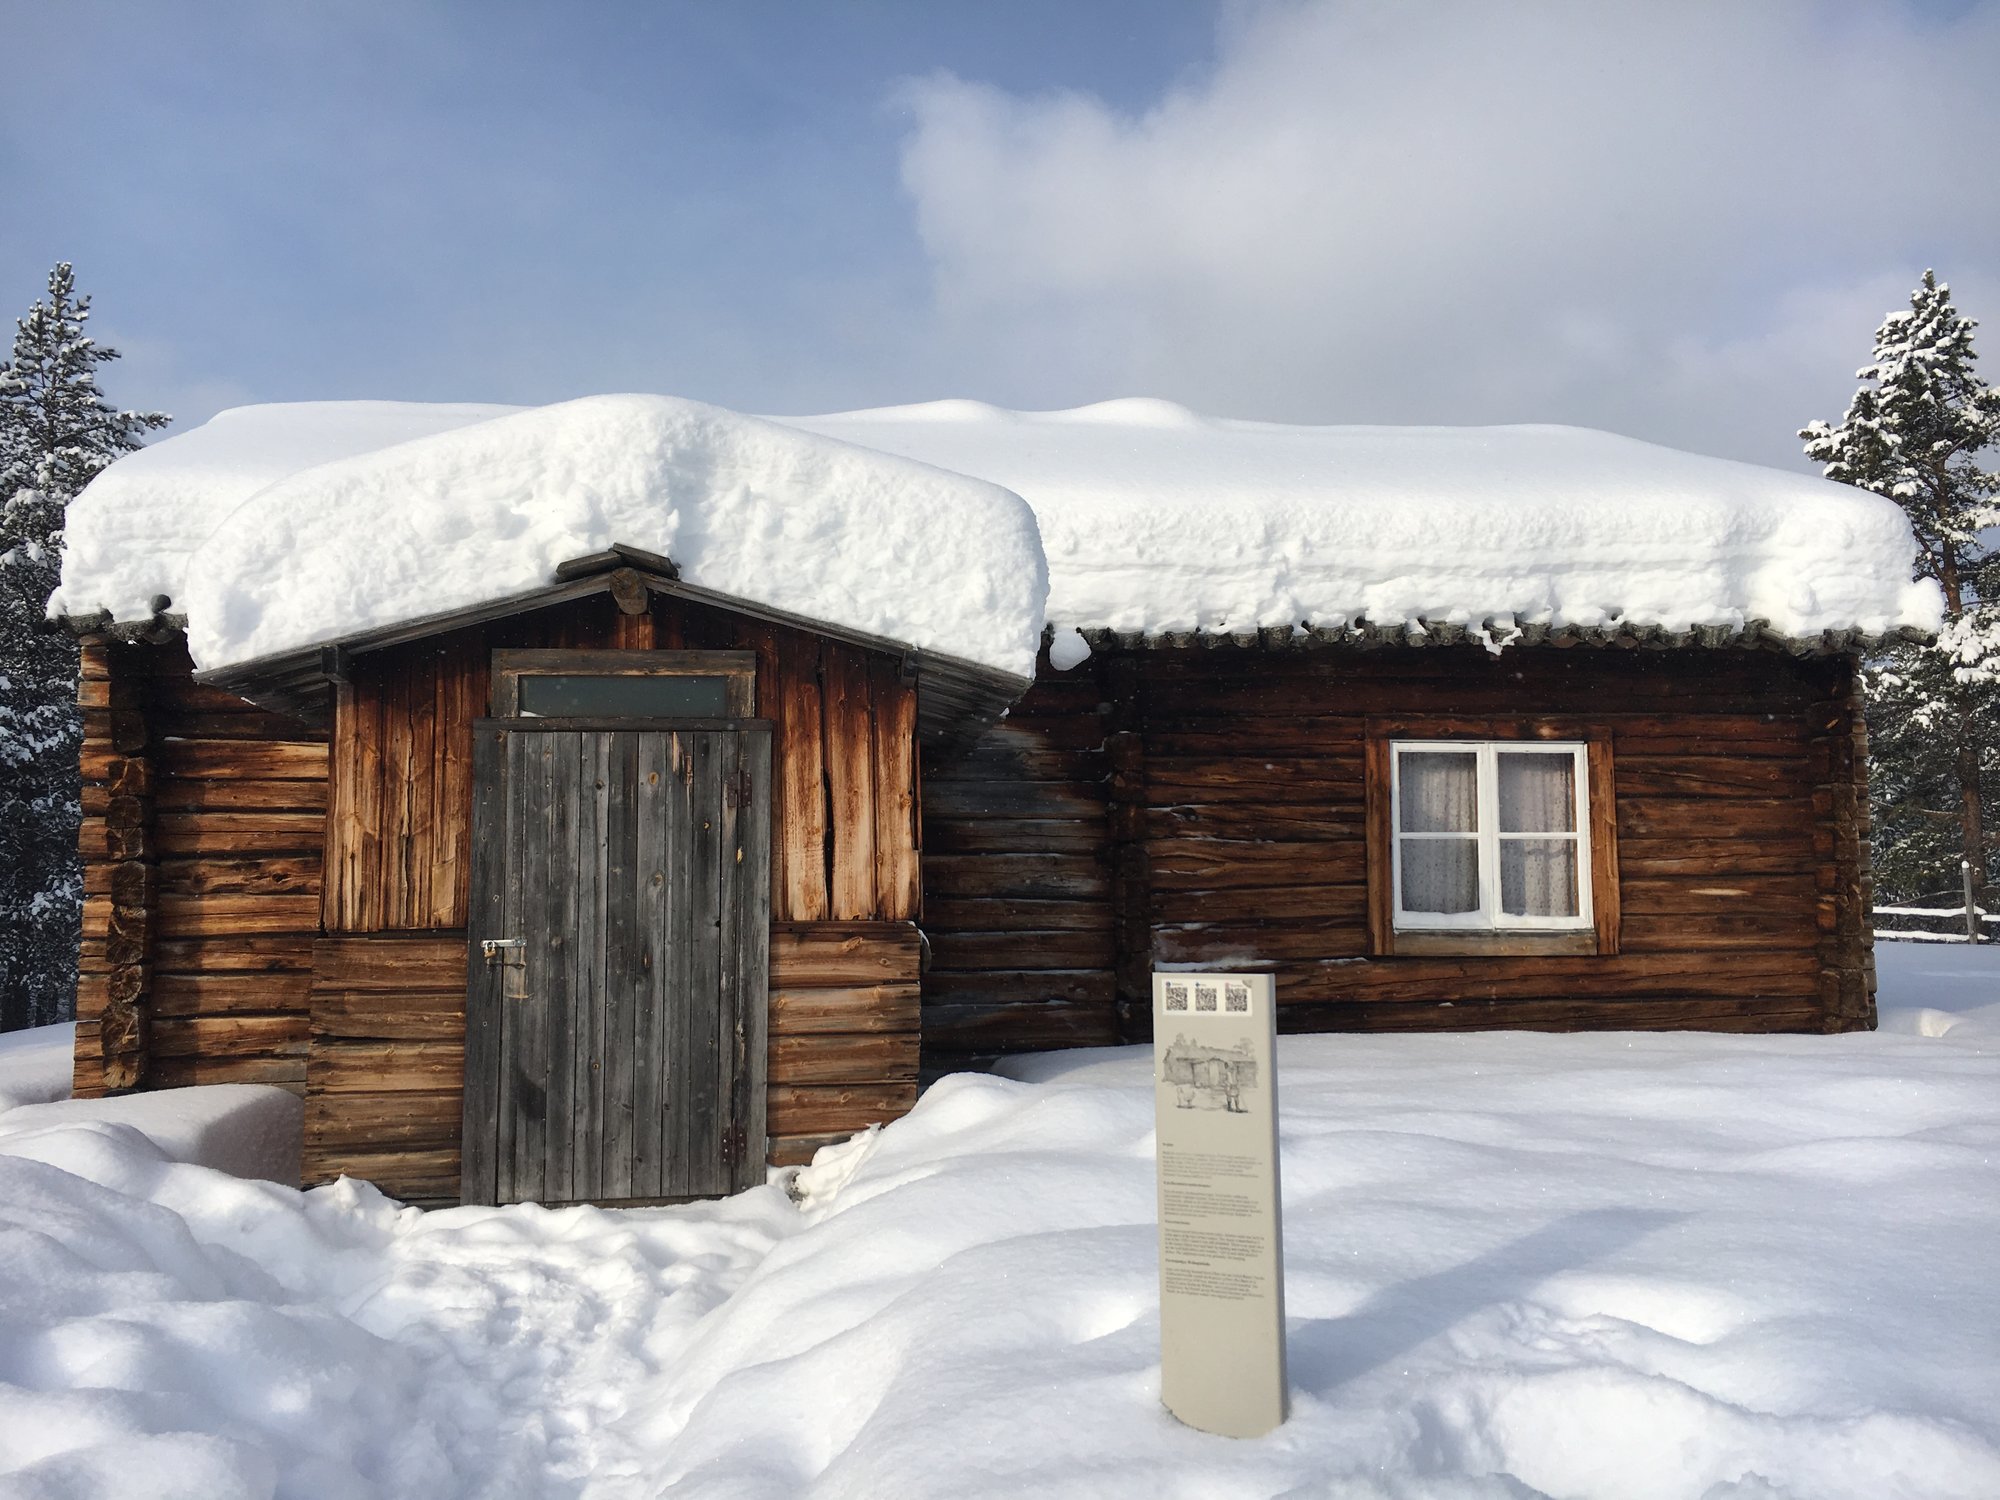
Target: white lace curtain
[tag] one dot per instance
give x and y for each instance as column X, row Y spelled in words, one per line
column 1438, row 795
column 1537, row 795
column 1438, row 792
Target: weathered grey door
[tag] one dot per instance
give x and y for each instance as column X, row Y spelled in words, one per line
column 619, row 935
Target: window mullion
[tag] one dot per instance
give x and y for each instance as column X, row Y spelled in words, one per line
column 1489, row 835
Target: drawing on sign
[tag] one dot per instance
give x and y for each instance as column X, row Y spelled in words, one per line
column 1206, row 1077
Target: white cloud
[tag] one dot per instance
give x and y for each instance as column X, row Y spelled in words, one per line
column 1678, row 221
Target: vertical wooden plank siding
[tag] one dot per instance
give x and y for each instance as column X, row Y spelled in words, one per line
column 850, row 780
column 803, row 822
column 484, row 990
column 845, row 823
column 898, row 836
column 747, row 921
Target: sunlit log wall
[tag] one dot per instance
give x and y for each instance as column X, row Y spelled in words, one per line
column 202, row 824
column 1199, row 805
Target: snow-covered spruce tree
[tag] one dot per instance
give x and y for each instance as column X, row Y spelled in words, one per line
column 56, row 432
column 1916, row 435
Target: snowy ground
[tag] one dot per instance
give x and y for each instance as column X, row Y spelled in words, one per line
column 1594, row 1266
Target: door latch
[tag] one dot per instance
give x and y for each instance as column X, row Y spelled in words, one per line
column 495, row 950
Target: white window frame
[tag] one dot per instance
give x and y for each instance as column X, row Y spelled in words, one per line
column 1489, row 917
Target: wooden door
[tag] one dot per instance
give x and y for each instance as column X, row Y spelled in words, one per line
column 619, row 937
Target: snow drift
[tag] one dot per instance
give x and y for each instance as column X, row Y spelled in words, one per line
column 1156, row 519
column 1663, row 1267
column 487, row 509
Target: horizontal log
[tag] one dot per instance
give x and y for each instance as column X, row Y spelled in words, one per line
column 186, row 1072
column 176, row 794
column 1251, row 820
column 1019, row 1027
column 1717, row 859
column 397, row 963
column 228, row 994
column 862, row 1008
column 97, row 838
column 178, row 722
column 1787, row 895
column 1709, row 776
column 238, row 833
column 1025, row 876
column 124, row 729
column 1035, row 987
column 839, row 955
column 380, row 1121
column 181, row 916
column 387, row 1067
column 1343, row 905
column 234, row 955
column 1011, row 799
column 820, row 1109
column 1211, row 864
column 798, row 1150
column 271, row 875
column 242, row 760
column 1625, row 975
column 1697, row 817
column 1008, row 914
column 1059, row 949
column 1015, row 836
column 229, row 1036
column 406, row 1175
column 1001, row 756
column 385, row 1016
column 889, row 1057
column 1255, row 944
column 99, row 765
column 1684, row 932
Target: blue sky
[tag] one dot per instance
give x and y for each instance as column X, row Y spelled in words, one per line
column 1681, row 222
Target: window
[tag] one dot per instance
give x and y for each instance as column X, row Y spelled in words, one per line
column 1490, row 836
column 1491, row 845
column 624, row 684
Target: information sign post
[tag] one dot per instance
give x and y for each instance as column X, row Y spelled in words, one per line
column 1222, row 1283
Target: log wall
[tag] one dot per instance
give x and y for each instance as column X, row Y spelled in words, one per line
column 1206, row 806
column 203, row 818
column 385, row 1072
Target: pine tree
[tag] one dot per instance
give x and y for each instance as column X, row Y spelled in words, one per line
column 56, row 432
column 1917, row 435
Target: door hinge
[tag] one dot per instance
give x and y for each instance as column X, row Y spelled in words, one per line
column 732, row 1145
column 736, row 791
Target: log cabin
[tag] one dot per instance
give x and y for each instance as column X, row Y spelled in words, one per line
column 598, row 802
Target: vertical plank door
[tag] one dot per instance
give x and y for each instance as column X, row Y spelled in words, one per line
column 620, row 930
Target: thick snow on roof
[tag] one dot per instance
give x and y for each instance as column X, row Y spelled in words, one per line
column 1155, row 519
column 842, row 535
column 132, row 529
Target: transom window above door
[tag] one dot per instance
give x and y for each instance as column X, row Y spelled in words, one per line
column 624, row 684
column 1490, row 835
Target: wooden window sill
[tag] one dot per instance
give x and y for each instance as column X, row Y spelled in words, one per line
column 1435, row 944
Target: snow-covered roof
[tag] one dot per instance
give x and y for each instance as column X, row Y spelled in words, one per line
column 1156, row 520
column 280, row 527
column 277, row 527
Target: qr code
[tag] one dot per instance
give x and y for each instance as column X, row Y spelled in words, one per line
column 1177, row 997
column 1236, row 997
column 1204, row 997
